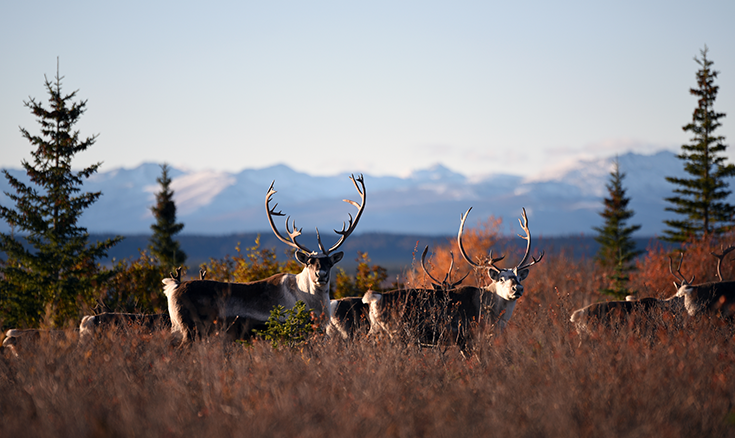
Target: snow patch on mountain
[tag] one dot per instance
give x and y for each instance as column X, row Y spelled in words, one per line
column 562, row 201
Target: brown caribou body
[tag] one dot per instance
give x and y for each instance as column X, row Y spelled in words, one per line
column 615, row 313
column 349, row 317
column 91, row 324
column 205, row 306
column 17, row 340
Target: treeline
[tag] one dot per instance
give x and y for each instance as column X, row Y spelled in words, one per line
column 53, row 272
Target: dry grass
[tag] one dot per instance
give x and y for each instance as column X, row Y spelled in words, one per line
column 671, row 377
column 533, row 380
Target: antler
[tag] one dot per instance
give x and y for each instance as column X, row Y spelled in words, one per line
column 202, row 274
column 679, row 275
column 527, row 238
column 443, row 284
column 720, row 257
column 177, row 276
column 292, row 234
column 345, row 233
column 490, row 264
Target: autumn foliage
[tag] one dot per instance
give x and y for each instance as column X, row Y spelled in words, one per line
column 255, row 263
column 537, row 378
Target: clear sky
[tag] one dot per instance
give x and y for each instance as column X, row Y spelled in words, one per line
column 382, row 87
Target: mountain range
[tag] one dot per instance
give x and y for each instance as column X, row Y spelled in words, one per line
column 563, row 202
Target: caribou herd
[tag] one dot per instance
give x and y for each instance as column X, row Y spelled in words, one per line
column 446, row 313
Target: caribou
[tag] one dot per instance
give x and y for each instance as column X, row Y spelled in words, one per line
column 348, row 317
column 428, row 316
column 91, row 324
column 500, row 297
column 198, row 306
column 716, row 298
column 615, row 313
column 462, row 306
column 16, row 340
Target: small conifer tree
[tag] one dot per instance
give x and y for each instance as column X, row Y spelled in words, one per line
column 163, row 246
column 50, row 269
column 617, row 248
column 700, row 199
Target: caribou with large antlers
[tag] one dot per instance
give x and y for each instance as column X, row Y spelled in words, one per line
column 713, row 298
column 461, row 307
column 198, row 305
column 501, row 295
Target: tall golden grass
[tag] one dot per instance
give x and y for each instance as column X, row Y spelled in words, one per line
column 536, row 379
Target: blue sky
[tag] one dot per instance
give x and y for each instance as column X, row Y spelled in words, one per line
column 382, row 87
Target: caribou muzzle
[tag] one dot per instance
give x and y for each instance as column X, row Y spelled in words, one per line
column 321, row 278
column 516, row 291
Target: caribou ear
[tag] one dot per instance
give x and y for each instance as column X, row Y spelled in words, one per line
column 301, row 257
column 336, row 257
column 495, row 275
column 522, row 274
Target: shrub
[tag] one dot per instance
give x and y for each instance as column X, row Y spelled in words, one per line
column 288, row 327
column 254, row 264
column 366, row 277
column 135, row 286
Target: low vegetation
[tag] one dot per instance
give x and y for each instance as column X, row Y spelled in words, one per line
column 669, row 377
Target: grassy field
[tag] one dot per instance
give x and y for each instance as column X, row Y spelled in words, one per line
column 675, row 378
column 671, row 376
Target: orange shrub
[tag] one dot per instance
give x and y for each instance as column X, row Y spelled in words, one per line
column 476, row 242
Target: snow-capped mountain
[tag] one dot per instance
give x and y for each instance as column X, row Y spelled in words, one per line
column 430, row 201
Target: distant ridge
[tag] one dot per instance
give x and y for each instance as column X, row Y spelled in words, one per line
column 428, row 202
column 395, row 252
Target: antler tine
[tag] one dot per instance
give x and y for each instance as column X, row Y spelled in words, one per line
column 423, row 265
column 527, row 238
column 451, row 267
column 721, row 257
column 348, row 229
column 291, row 234
column 459, row 240
column 679, row 275
column 462, row 251
column 457, row 283
column 319, row 241
column 177, row 276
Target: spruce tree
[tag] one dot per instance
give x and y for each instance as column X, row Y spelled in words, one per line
column 617, row 248
column 50, row 269
column 163, row 246
column 701, row 199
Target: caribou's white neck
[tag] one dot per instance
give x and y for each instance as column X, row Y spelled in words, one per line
column 502, row 309
column 315, row 296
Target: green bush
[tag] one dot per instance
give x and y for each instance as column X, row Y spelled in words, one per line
column 288, row 327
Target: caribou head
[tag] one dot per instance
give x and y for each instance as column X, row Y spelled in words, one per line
column 507, row 282
column 317, row 265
